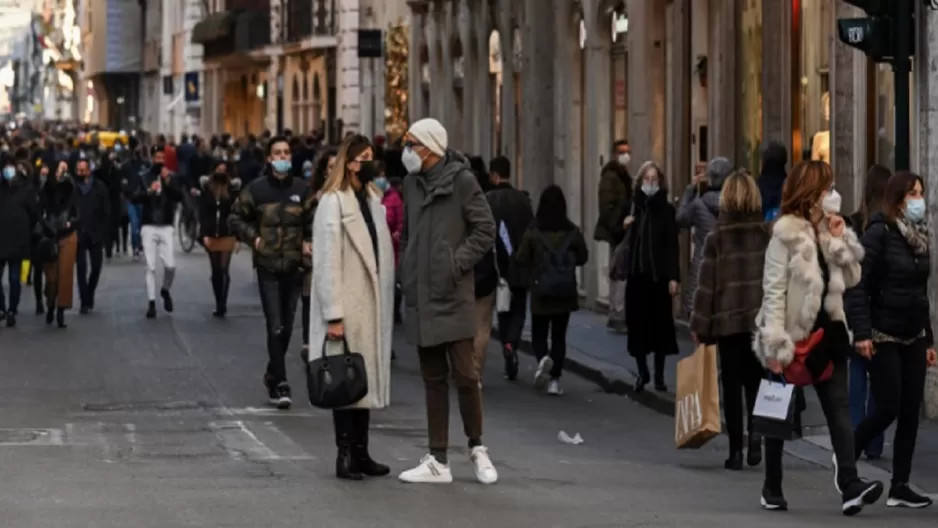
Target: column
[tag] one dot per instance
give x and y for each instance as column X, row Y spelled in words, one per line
column 646, row 82
column 348, row 87
column 926, row 90
column 722, row 78
column 776, row 71
column 679, row 78
column 449, row 111
column 506, row 33
column 380, row 82
column 565, row 174
column 433, row 35
column 483, row 112
column 414, row 89
column 848, row 113
column 537, row 85
column 274, row 70
column 468, row 117
column 367, row 97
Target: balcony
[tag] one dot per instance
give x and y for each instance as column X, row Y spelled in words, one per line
column 252, row 31
column 301, row 19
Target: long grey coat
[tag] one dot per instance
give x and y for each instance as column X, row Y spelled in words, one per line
column 348, row 283
column 699, row 213
column 448, row 227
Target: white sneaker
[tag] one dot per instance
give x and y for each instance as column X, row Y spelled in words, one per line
column 429, row 471
column 554, row 388
column 542, row 374
column 485, row 471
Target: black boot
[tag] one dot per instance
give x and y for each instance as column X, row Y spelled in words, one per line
column 361, row 419
column 644, row 376
column 60, row 317
column 345, row 466
column 660, row 385
column 218, row 286
column 50, row 314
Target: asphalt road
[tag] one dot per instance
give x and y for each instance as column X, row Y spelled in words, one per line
column 120, row 421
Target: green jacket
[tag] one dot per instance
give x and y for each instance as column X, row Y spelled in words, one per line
column 614, row 193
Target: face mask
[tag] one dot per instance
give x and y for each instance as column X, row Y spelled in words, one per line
column 411, row 161
column 649, row 189
column 307, row 174
column 118, row 148
column 831, row 202
column 281, row 166
column 220, row 176
column 366, row 171
column 624, row 158
column 914, row 209
column 9, row 173
column 382, row 183
column 157, row 167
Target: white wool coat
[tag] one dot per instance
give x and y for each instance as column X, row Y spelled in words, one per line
column 348, row 283
column 792, row 284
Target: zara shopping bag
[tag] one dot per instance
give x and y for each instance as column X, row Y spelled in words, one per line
column 697, row 408
column 336, row 381
column 775, row 414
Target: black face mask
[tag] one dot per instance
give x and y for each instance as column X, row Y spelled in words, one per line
column 367, row 172
column 157, row 168
column 220, row 176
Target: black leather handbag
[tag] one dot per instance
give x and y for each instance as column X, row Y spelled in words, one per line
column 336, row 381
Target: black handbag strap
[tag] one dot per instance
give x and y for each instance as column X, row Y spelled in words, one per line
column 345, row 350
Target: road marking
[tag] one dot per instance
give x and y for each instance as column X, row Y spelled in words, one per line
column 130, row 435
column 240, row 442
column 281, row 443
column 30, row 437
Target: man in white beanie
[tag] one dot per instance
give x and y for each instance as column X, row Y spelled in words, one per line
column 448, row 228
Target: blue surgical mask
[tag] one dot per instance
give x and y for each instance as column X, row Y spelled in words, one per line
column 382, row 183
column 307, row 174
column 117, row 147
column 282, row 166
column 914, row 209
column 9, row 173
column 649, row 189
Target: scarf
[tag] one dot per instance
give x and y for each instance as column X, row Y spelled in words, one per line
column 916, row 234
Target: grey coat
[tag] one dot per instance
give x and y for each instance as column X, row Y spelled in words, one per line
column 700, row 213
column 448, row 227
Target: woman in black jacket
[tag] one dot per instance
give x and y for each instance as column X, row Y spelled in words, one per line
column 58, row 245
column 889, row 313
column 652, row 276
column 218, row 192
column 18, row 215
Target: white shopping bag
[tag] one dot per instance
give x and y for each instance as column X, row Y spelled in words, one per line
column 502, row 296
column 774, row 400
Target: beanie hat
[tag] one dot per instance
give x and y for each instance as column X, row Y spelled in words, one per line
column 431, row 134
column 718, row 170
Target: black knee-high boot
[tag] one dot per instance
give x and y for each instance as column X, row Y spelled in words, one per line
column 345, row 465
column 367, row 466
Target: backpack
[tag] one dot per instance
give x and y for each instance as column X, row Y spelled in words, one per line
column 557, row 277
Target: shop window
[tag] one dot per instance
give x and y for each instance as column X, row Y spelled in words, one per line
column 885, row 122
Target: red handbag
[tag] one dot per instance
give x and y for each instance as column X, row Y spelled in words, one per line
column 797, row 372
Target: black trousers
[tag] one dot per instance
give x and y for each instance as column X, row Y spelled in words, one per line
column 220, row 261
column 511, row 323
column 306, row 300
column 556, row 325
column 279, row 295
column 90, row 252
column 740, row 372
column 120, row 231
column 897, row 380
column 832, row 395
column 38, row 292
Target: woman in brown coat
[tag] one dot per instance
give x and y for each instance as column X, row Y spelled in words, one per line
column 728, row 297
column 58, row 246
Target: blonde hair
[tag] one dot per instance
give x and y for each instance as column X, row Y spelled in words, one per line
column 339, row 178
column 740, row 194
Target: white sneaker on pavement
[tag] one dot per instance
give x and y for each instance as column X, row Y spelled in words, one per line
column 542, row 374
column 429, row 471
column 554, row 388
column 485, row 470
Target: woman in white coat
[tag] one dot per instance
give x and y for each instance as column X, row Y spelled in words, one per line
column 352, row 295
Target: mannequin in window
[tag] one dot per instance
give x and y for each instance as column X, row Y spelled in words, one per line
column 821, row 144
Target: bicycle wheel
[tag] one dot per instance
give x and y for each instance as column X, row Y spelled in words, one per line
column 186, row 237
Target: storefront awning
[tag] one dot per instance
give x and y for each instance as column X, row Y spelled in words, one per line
column 213, row 27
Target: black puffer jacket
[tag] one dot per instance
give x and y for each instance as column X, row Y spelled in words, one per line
column 892, row 296
column 19, row 211
column 214, row 210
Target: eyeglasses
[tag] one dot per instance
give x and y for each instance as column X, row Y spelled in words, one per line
column 412, row 144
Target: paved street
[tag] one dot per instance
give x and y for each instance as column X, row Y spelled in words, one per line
column 119, row 421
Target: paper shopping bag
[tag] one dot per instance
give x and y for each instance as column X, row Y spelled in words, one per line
column 775, row 412
column 24, row 271
column 697, row 408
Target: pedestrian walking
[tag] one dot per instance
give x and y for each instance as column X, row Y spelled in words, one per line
column 653, row 275
column 548, row 254
column 615, row 201
column 159, row 194
column 862, row 402
column 274, row 216
column 58, row 244
column 217, row 194
column 39, row 183
column 726, row 300
column 889, row 314
column 448, row 227
column 812, row 258
column 322, row 168
column 353, row 284
column 18, row 215
column 94, row 231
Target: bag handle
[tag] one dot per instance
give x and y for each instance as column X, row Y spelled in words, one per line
column 777, row 377
column 345, row 350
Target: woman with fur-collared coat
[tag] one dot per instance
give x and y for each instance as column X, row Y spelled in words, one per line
column 812, row 258
column 353, row 294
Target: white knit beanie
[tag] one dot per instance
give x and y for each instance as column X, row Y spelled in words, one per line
column 431, row 134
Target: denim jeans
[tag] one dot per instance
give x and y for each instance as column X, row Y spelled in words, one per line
column 280, row 293
column 861, row 401
column 15, row 268
column 90, row 261
column 134, row 213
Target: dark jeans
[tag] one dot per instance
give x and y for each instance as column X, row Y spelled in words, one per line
column 740, row 372
column 557, row 326
column 511, row 323
column 862, row 403
column 435, row 365
column 279, row 295
column 120, row 231
column 89, row 250
column 833, row 397
column 15, row 267
column 897, row 380
column 38, row 291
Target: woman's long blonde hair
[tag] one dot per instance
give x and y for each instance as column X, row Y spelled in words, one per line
column 340, row 179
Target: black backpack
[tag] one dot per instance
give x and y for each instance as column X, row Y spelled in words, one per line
column 557, row 277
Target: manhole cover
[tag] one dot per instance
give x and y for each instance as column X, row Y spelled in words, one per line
column 30, row 437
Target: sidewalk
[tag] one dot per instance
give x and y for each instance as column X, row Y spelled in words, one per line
column 602, row 357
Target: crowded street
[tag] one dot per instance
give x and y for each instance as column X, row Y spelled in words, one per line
column 124, row 421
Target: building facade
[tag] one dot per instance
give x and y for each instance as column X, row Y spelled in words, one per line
column 179, row 96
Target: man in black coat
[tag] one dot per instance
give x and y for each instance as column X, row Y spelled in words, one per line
column 94, row 230
column 19, row 211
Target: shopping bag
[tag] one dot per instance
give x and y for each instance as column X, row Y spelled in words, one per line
column 697, row 408
column 775, row 412
column 502, row 296
column 24, row 271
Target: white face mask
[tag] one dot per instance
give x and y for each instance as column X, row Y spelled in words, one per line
column 832, row 202
column 411, row 161
column 624, row 158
